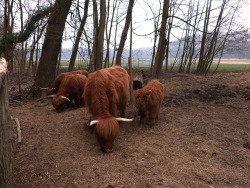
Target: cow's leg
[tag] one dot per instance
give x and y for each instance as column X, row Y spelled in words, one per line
column 77, row 101
column 143, row 118
column 152, row 116
column 122, row 112
column 152, row 121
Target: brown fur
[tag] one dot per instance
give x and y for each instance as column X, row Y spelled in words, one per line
column 106, row 91
column 54, row 87
column 148, row 101
column 72, row 87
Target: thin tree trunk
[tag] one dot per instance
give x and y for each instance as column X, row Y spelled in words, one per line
column 99, row 58
column 7, row 52
column 130, row 66
column 124, row 33
column 95, row 37
column 78, row 37
column 116, row 28
column 162, row 42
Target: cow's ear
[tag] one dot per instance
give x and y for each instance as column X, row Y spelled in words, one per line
column 148, row 93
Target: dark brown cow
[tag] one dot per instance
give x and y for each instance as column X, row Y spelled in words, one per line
column 148, row 101
column 71, row 88
column 56, row 84
column 106, row 91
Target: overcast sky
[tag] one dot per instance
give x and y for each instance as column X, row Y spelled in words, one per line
column 141, row 11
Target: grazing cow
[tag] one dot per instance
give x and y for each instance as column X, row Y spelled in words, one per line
column 148, row 101
column 56, row 84
column 106, row 91
column 71, row 88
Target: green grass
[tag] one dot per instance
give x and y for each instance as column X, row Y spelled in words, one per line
column 222, row 67
column 230, row 67
column 235, row 60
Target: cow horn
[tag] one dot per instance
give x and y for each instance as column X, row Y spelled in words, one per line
column 63, row 97
column 50, row 96
column 94, row 122
column 125, row 119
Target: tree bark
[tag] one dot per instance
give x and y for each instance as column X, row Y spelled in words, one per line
column 6, row 132
column 95, row 37
column 78, row 37
column 130, row 66
column 99, row 58
column 162, row 42
column 124, row 32
column 52, row 43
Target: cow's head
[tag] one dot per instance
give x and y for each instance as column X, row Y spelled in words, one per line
column 51, row 91
column 60, row 103
column 142, row 98
column 106, row 131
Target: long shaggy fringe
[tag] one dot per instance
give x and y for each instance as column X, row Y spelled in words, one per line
column 107, row 129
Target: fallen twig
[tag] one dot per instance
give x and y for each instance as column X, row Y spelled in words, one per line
column 50, row 177
column 19, row 133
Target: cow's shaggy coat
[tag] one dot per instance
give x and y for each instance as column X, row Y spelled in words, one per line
column 106, row 91
column 54, row 87
column 71, row 87
column 148, row 101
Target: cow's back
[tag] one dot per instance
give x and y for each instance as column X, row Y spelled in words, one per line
column 106, row 90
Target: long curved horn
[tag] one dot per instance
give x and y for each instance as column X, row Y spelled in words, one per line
column 50, row 96
column 63, row 97
column 94, row 122
column 125, row 119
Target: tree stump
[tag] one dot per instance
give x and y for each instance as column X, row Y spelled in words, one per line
column 6, row 131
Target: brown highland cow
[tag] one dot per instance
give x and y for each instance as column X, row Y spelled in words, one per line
column 71, row 88
column 106, row 91
column 54, row 87
column 148, row 101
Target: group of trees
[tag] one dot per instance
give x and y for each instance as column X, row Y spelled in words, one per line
column 203, row 29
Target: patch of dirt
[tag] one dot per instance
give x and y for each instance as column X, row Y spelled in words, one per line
column 201, row 139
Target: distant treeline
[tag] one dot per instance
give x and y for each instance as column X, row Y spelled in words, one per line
column 146, row 53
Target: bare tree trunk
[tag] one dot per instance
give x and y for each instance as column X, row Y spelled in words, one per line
column 99, row 58
column 59, row 61
column 124, row 32
column 6, row 132
column 78, row 37
column 204, row 36
column 95, row 37
column 7, row 52
column 52, row 43
column 22, row 43
column 116, row 28
column 162, row 42
column 108, row 35
column 130, row 67
column 33, row 46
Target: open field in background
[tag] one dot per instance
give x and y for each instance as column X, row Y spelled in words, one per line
column 226, row 65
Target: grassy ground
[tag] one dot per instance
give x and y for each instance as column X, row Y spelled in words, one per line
column 226, row 65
